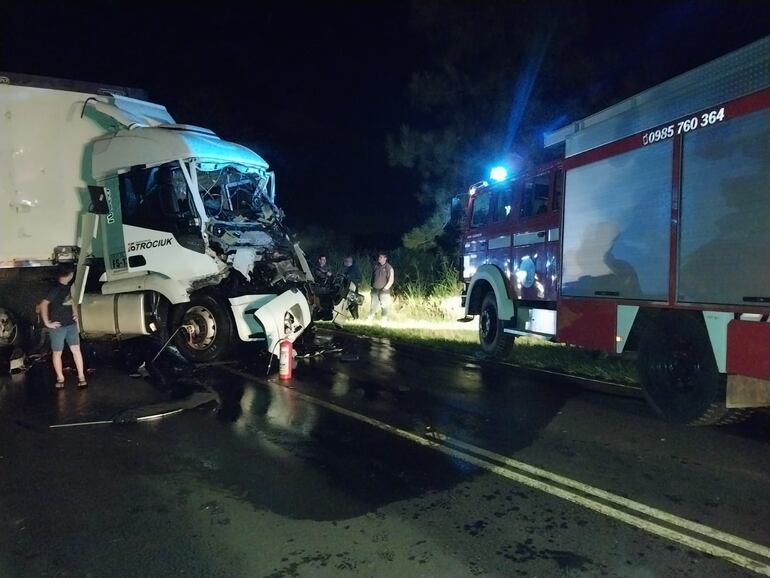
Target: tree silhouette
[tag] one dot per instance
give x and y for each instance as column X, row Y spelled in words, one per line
column 497, row 74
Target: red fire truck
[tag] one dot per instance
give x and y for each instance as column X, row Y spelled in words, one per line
column 650, row 235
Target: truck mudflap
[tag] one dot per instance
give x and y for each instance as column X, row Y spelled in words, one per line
column 271, row 318
column 748, row 362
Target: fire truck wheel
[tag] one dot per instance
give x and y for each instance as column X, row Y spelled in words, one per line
column 494, row 342
column 207, row 328
column 679, row 374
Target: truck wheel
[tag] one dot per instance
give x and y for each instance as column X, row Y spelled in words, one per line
column 494, row 342
column 679, row 374
column 10, row 329
column 207, row 328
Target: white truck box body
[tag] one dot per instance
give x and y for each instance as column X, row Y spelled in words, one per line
column 45, row 180
column 43, row 183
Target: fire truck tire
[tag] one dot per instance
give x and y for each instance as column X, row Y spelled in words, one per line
column 736, row 415
column 679, row 374
column 494, row 342
column 207, row 329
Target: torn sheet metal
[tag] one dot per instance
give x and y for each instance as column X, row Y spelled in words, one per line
column 244, row 259
column 131, row 112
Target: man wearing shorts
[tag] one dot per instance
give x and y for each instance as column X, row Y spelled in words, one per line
column 60, row 317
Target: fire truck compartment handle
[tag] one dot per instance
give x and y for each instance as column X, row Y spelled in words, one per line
column 757, row 299
column 541, row 234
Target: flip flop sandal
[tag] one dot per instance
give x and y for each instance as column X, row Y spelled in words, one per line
column 59, row 384
column 82, row 384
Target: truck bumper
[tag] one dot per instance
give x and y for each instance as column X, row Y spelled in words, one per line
column 270, row 318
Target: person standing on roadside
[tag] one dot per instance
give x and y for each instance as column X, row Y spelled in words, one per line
column 351, row 272
column 383, row 278
column 59, row 316
column 321, row 272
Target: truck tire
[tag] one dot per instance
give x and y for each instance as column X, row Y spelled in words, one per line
column 10, row 329
column 211, row 328
column 679, row 374
column 494, row 342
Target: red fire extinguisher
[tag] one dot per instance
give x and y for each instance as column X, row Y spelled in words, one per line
column 285, row 359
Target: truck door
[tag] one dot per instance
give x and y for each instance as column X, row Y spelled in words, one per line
column 115, row 262
column 475, row 245
column 536, row 239
column 499, row 238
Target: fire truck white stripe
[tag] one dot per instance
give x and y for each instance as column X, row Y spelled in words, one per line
column 528, row 238
column 499, row 242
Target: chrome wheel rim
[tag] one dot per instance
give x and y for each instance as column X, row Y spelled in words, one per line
column 201, row 327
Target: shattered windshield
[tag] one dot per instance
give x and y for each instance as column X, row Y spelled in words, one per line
column 229, row 193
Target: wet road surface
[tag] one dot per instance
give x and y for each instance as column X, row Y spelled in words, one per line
column 389, row 464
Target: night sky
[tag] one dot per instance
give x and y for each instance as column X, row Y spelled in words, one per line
column 316, row 87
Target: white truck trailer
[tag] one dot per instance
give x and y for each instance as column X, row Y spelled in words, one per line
column 173, row 229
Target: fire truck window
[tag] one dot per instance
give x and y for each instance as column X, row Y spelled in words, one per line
column 503, row 203
column 558, row 189
column 480, row 211
column 535, row 199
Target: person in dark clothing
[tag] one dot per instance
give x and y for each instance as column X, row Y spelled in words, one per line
column 321, row 271
column 323, row 289
column 383, row 278
column 351, row 272
column 59, row 316
column 352, row 275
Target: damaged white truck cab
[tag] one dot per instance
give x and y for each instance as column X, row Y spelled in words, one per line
column 174, row 229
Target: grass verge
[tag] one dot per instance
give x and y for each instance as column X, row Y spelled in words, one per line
column 527, row 352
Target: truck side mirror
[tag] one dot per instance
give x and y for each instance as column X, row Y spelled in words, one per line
column 99, row 204
column 457, row 209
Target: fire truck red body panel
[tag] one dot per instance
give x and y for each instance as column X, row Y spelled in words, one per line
column 587, row 323
column 660, row 208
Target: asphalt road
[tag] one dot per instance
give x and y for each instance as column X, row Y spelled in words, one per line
column 382, row 462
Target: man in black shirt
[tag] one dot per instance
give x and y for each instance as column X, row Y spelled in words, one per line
column 321, row 272
column 60, row 317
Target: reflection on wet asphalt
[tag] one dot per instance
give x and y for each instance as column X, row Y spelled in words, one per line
column 409, row 388
column 30, row 398
column 269, row 483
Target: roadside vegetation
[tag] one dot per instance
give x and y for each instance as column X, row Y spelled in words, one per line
column 426, row 309
column 527, row 352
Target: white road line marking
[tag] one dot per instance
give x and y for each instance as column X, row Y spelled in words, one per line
column 436, row 441
column 620, row 500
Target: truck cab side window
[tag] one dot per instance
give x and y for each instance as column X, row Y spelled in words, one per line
column 535, row 199
column 503, row 204
column 155, row 198
column 480, row 210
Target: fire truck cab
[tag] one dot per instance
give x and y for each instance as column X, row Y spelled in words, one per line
column 511, row 257
column 651, row 235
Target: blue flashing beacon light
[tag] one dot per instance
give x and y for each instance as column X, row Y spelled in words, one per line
column 498, row 174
